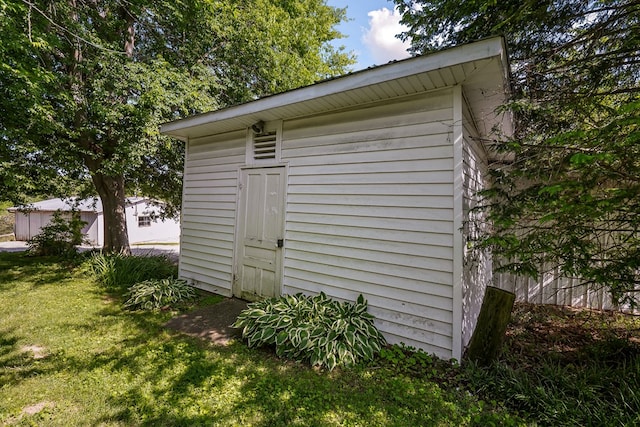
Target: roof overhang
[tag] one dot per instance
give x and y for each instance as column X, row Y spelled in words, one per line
column 92, row 205
column 480, row 67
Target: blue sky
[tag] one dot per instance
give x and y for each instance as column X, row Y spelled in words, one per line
column 370, row 31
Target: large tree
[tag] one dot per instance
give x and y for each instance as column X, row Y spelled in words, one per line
column 570, row 199
column 84, row 85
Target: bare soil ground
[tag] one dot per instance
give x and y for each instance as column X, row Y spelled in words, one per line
column 569, row 335
column 212, row 323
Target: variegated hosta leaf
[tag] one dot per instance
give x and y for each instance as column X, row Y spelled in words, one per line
column 318, row 329
column 157, row 293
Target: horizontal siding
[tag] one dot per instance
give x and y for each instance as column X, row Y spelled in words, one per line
column 444, row 165
column 374, row 244
column 441, row 202
column 440, row 172
column 375, row 157
column 375, row 223
column 208, row 210
column 405, row 135
column 370, row 211
column 421, row 238
column 423, row 296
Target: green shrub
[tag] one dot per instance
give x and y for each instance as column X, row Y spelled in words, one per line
column 60, row 237
column 117, row 272
column 316, row 329
column 158, row 293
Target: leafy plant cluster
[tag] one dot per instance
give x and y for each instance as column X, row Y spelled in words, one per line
column 416, row 363
column 155, row 294
column 85, row 97
column 565, row 368
column 59, row 237
column 565, row 193
column 568, row 395
column 147, row 282
column 316, row 329
column 117, row 272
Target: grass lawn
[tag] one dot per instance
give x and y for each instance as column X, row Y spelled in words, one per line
column 70, row 355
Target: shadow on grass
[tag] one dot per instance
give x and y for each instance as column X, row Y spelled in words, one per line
column 15, row 364
column 17, row 266
column 151, row 376
column 569, row 367
column 175, row 380
column 270, row 393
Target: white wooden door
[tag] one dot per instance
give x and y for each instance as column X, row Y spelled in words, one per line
column 260, row 233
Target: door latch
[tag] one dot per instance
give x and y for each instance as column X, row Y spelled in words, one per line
column 280, row 243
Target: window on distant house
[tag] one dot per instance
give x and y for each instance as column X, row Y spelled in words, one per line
column 144, row 221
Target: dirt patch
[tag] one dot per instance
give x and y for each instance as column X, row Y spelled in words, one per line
column 212, row 323
column 38, row 407
column 37, row 351
column 570, row 335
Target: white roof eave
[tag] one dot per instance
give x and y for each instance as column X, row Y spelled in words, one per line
column 282, row 106
column 53, row 205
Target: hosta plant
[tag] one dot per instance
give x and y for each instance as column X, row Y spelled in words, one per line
column 154, row 294
column 316, row 329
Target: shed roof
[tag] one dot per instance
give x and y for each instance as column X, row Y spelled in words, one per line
column 85, row 205
column 480, row 67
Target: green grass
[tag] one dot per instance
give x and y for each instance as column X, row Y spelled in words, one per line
column 97, row 364
column 71, row 356
column 567, row 367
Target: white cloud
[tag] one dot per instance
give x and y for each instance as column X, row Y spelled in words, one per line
column 380, row 38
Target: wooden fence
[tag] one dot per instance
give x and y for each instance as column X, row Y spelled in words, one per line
column 551, row 288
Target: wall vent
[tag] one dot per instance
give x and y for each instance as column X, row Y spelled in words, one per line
column 264, row 146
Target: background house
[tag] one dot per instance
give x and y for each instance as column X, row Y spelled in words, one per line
column 362, row 184
column 142, row 225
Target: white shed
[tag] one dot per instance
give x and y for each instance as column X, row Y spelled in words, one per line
column 354, row 185
column 143, row 224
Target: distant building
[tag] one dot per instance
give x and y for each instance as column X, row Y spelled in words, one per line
column 143, row 224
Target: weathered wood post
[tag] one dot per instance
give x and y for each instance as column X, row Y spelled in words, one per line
column 493, row 319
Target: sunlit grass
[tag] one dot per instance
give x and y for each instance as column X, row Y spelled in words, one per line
column 97, row 364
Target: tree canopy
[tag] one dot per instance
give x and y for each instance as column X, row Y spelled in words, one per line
column 571, row 197
column 85, row 85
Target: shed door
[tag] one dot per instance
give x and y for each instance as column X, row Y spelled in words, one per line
column 260, row 233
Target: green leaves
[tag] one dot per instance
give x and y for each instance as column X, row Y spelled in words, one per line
column 316, row 329
column 118, row 272
column 567, row 198
column 74, row 104
column 154, row 294
column 60, row 237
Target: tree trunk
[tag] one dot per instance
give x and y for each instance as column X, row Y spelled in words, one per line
column 112, row 194
column 495, row 313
